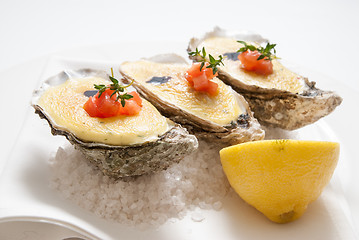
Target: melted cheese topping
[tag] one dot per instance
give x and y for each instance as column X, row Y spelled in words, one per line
column 281, row 78
column 221, row 109
column 64, row 104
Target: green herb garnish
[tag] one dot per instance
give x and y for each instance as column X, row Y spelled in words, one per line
column 213, row 63
column 265, row 52
column 116, row 87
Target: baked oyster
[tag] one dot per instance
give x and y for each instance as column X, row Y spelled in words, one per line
column 281, row 99
column 120, row 146
column 224, row 117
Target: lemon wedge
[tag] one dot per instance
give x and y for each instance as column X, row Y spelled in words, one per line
column 280, row 177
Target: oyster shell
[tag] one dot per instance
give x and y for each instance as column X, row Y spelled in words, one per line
column 119, row 146
column 282, row 99
column 225, row 117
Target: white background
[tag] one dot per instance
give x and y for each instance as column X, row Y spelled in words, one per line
column 320, row 35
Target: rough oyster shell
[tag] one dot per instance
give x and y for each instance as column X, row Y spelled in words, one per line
column 243, row 128
column 289, row 106
column 123, row 160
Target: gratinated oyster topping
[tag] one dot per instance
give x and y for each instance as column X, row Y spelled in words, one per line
column 64, row 105
column 221, row 109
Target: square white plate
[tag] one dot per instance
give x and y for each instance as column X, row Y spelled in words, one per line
column 25, row 193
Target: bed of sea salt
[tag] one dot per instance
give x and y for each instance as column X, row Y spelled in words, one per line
column 197, row 182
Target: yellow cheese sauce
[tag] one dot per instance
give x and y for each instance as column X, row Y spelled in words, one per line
column 221, row 109
column 281, row 78
column 64, row 104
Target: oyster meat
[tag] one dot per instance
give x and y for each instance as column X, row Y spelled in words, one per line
column 225, row 117
column 120, row 146
column 282, row 99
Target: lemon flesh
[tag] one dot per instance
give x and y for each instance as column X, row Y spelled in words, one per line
column 280, row 177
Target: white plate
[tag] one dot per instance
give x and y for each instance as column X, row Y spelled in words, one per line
column 26, row 195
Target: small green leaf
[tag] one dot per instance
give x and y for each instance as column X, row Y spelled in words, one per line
column 260, row 57
column 194, row 53
column 114, row 92
column 202, row 65
column 99, row 87
column 126, row 96
column 114, row 80
column 204, row 54
column 123, row 102
column 243, row 42
column 251, row 47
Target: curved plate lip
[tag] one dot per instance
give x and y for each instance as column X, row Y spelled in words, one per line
column 48, row 220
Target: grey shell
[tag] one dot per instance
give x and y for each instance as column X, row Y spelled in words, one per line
column 245, row 129
column 288, row 110
column 122, row 161
column 274, row 107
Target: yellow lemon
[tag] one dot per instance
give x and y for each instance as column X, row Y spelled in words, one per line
column 280, row 177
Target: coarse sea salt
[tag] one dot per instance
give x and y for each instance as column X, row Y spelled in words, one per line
column 196, row 183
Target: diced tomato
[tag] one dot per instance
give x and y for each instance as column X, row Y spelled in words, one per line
column 200, row 83
column 209, row 73
column 107, row 105
column 250, row 63
column 131, row 108
column 200, row 79
column 194, row 70
column 91, row 107
column 136, row 98
column 189, row 78
column 212, row 88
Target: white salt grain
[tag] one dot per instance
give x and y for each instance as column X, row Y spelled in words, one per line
column 217, row 205
column 197, row 216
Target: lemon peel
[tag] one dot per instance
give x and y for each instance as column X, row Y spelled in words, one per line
column 280, row 177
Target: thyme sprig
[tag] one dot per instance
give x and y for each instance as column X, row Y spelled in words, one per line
column 212, row 62
column 266, row 52
column 116, row 87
